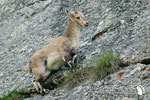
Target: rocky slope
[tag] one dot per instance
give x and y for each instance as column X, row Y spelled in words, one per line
column 123, row 88
column 28, row 25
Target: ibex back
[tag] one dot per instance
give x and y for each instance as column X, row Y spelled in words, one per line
column 55, row 53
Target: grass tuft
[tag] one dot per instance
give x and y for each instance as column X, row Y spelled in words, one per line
column 14, row 95
column 19, row 94
column 104, row 65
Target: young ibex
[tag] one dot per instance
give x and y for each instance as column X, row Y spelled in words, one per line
column 50, row 57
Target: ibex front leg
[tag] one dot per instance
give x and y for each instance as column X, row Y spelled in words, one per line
column 70, row 60
column 74, row 56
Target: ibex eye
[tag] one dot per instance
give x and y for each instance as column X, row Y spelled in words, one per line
column 77, row 17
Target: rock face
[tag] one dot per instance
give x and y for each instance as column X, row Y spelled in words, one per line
column 28, row 25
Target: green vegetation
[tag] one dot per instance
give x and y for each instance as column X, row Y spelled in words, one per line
column 102, row 66
column 20, row 94
column 72, row 80
column 14, row 95
column 105, row 65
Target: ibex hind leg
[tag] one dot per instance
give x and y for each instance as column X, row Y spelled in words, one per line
column 36, row 86
column 39, row 82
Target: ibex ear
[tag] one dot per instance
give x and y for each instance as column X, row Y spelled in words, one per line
column 67, row 11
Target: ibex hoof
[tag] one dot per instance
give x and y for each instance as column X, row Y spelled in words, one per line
column 43, row 92
column 46, row 91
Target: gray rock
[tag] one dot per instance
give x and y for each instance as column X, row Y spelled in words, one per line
column 126, row 98
column 28, row 25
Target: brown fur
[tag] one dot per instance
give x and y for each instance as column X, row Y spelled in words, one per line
column 51, row 56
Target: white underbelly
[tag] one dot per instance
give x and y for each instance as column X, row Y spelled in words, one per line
column 54, row 62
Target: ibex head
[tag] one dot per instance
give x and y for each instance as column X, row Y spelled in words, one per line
column 78, row 18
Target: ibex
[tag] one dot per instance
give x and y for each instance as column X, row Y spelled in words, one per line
column 60, row 50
